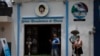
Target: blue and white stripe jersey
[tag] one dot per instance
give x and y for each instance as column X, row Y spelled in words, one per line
column 55, row 42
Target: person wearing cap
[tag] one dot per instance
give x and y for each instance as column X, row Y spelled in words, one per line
column 72, row 39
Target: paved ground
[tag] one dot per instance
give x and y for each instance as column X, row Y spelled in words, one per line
column 37, row 55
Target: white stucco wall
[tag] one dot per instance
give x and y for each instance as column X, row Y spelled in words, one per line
column 7, row 28
column 56, row 9
column 7, row 33
column 14, row 29
column 83, row 26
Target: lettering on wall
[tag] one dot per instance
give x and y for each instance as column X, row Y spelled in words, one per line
column 41, row 20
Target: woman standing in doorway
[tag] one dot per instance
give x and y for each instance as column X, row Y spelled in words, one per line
column 78, row 46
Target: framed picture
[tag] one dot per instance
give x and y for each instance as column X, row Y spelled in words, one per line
column 42, row 9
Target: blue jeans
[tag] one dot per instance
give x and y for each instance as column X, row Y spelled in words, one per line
column 54, row 52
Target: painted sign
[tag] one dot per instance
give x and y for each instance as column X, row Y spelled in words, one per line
column 79, row 11
column 5, row 47
column 42, row 9
column 42, row 19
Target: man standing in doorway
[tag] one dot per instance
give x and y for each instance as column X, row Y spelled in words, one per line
column 55, row 42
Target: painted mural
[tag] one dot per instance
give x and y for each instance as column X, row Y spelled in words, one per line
column 80, row 24
column 79, row 11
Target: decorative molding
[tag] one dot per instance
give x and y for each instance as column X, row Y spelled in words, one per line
column 25, row 1
column 52, row 17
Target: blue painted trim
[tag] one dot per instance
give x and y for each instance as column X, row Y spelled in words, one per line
column 66, row 28
column 18, row 28
column 54, row 17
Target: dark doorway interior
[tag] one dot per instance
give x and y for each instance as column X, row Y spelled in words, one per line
column 42, row 33
column 44, row 36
